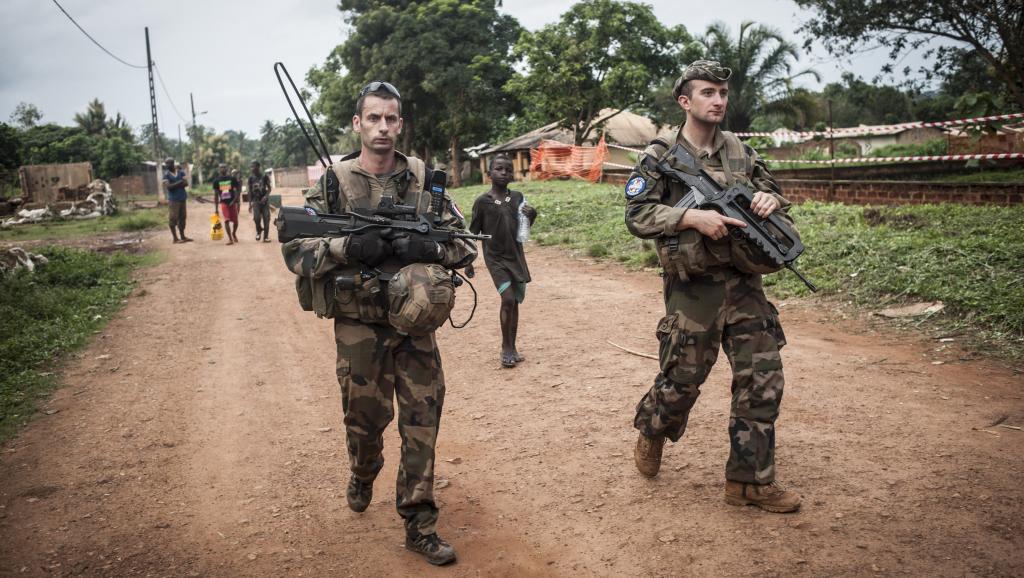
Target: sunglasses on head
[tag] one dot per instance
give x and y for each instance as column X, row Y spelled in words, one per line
column 379, row 84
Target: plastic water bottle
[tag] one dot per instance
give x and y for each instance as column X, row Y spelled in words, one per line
column 523, row 234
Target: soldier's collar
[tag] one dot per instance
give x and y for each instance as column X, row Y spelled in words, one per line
column 717, row 142
column 401, row 165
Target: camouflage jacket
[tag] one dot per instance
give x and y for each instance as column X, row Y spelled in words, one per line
column 650, row 210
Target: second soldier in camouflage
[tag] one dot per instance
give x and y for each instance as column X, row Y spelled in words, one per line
column 713, row 297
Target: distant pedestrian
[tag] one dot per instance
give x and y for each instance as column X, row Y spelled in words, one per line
column 228, row 194
column 259, row 200
column 505, row 216
column 176, row 189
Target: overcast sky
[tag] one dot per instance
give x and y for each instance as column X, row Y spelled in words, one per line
column 223, row 51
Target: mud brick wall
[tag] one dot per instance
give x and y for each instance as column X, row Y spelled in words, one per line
column 903, row 192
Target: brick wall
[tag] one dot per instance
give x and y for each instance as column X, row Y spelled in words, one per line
column 903, row 192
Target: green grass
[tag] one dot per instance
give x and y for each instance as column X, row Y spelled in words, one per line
column 983, row 176
column 124, row 220
column 49, row 313
column 971, row 258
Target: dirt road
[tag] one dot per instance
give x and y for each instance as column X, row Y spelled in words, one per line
column 200, row 435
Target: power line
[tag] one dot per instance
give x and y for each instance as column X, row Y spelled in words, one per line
column 114, row 56
column 163, row 85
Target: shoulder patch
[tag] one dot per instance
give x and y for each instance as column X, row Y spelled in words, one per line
column 635, row 186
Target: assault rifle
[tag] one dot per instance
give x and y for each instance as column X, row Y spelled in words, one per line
column 398, row 219
column 773, row 236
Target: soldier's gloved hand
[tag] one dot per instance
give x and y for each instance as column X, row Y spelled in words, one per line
column 368, row 248
column 414, row 250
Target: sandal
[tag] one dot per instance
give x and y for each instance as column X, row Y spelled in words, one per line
column 508, row 359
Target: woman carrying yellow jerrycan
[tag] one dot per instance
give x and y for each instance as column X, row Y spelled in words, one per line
column 216, row 228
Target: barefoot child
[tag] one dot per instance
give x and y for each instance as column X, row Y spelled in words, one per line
column 496, row 213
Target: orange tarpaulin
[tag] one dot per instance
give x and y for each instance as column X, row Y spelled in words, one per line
column 552, row 159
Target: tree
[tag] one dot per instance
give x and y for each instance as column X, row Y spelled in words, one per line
column 600, row 54
column 449, row 59
column 856, row 102
column 761, row 60
column 993, row 29
column 94, row 119
column 25, row 116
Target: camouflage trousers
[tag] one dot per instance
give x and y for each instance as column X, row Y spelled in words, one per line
column 375, row 365
column 727, row 308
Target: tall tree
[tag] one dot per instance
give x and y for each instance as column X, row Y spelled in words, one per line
column 761, row 60
column 993, row 29
column 600, row 54
column 448, row 58
column 25, row 116
column 94, row 119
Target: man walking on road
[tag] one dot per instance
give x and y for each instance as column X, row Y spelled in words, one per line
column 227, row 195
column 176, row 189
column 347, row 278
column 259, row 201
column 713, row 296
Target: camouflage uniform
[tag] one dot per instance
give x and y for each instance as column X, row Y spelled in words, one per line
column 376, row 362
column 710, row 302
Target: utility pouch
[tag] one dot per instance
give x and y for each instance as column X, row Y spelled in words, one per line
column 359, row 298
column 304, row 290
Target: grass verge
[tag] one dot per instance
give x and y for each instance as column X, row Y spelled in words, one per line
column 49, row 313
column 970, row 258
column 124, row 220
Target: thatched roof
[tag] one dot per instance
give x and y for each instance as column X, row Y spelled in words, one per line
column 625, row 128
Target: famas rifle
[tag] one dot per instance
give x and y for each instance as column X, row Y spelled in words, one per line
column 773, row 236
column 396, row 219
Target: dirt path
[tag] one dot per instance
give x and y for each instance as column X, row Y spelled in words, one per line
column 200, row 435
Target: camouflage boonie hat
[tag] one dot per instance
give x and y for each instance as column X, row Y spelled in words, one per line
column 709, row 70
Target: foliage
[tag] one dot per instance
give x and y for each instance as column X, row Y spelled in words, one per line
column 990, row 28
column 124, row 220
column 46, row 314
column 856, row 102
column 935, row 146
column 600, row 54
column 25, row 115
column 971, row 258
column 283, row 145
column 449, row 59
column 761, row 60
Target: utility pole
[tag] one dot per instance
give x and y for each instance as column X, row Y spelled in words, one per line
column 152, row 102
column 195, row 140
column 181, row 158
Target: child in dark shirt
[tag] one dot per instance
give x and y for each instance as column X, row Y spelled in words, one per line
column 497, row 213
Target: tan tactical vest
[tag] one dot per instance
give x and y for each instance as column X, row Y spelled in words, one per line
column 343, row 292
column 693, row 254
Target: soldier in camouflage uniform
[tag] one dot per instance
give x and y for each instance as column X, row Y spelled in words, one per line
column 713, row 297
column 376, row 362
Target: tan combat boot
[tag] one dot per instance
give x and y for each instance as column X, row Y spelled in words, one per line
column 648, row 454
column 771, row 497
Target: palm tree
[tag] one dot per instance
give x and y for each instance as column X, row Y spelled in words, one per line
column 94, row 119
column 761, row 60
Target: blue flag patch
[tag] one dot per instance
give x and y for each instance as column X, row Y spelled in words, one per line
column 635, row 186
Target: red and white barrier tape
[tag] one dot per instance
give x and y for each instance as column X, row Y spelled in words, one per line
column 983, row 157
column 858, row 130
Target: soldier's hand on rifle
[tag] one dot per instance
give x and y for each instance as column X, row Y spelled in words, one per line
column 709, row 223
column 368, row 248
column 764, row 204
column 414, row 250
